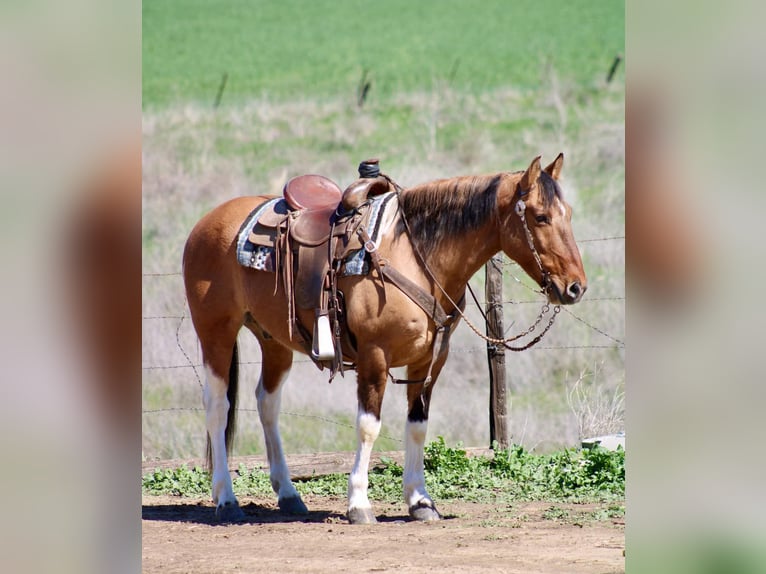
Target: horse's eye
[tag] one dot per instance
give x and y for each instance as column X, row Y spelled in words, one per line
column 542, row 219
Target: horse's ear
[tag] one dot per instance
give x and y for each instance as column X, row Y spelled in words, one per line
column 531, row 175
column 554, row 169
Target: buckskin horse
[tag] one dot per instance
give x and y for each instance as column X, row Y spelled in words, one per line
column 400, row 313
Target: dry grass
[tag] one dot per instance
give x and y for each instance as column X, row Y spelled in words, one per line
column 598, row 406
column 195, row 158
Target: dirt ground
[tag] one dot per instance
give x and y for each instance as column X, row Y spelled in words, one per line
column 179, row 535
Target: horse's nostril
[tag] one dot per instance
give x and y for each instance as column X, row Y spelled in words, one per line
column 574, row 290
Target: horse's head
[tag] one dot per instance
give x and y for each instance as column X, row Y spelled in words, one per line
column 537, row 232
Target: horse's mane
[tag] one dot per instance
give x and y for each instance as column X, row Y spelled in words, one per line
column 448, row 207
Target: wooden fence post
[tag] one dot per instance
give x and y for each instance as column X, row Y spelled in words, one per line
column 613, row 69
column 221, row 87
column 493, row 290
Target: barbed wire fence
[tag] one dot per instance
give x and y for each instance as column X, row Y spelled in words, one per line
column 611, row 341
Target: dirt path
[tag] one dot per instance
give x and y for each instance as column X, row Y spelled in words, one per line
column 180, row 536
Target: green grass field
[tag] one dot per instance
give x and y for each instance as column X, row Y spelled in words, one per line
column 304, row 49
column 457, row 88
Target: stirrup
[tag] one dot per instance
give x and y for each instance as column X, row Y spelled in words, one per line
column 322, row 348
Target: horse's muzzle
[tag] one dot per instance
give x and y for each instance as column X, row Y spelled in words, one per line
column 572, row 294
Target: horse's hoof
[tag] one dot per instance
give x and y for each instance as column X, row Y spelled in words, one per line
column 292, row 505
column 229, row 512
column 361, row 516
column 424, row 511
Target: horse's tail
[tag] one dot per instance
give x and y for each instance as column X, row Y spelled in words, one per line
column 231, row 417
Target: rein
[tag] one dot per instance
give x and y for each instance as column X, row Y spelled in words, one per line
column 519, row 209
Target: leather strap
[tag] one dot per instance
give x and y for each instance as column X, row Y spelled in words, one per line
column 417, row 294
column 431, row 306
column 371, row 248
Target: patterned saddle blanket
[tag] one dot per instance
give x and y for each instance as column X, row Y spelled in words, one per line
column 257, row 250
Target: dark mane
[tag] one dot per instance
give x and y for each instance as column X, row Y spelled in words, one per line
column 448, row 207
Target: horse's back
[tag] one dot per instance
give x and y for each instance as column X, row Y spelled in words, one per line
column 210, row 268
column 219, row 227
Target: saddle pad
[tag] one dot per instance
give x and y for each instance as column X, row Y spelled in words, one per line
column 383, row 210
column 249, row 254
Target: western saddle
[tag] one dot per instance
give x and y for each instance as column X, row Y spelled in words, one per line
column 312, row 232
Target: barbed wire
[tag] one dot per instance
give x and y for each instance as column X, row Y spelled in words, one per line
column 478, row 349
column 584, row 322
column 192, row 365
column 601, row 239
column 482, row 304
column 453, row 350
column 591, row 240
column 467, row 304
column 286, row 413
column 197, row 365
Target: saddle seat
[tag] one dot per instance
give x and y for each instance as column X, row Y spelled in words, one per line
column 311, row 192
column 317, row 201
column 313, row 199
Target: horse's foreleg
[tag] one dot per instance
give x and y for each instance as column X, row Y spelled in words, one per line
column 371, row 384
column 276, row 366
column 359, row 507
column 419, row 503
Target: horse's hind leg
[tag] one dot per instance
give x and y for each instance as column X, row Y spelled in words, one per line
column 219, row 397
column 277, row 361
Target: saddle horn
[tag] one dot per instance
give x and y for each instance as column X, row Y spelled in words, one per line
column 369, row 184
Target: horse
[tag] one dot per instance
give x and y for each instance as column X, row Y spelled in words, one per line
column 443, row 233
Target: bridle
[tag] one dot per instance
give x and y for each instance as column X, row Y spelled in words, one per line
column 520, row 210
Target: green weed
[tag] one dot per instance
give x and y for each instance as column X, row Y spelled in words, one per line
column 515, row 474
column 180, row 481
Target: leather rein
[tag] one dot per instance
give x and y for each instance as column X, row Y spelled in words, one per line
column 519, row 209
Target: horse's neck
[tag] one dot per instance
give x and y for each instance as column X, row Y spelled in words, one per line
column 457, row 259
column 467, row 232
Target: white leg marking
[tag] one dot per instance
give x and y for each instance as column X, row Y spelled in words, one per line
column 216, row 409
column 367, row 430
column 414, row 480
column 268, row 411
